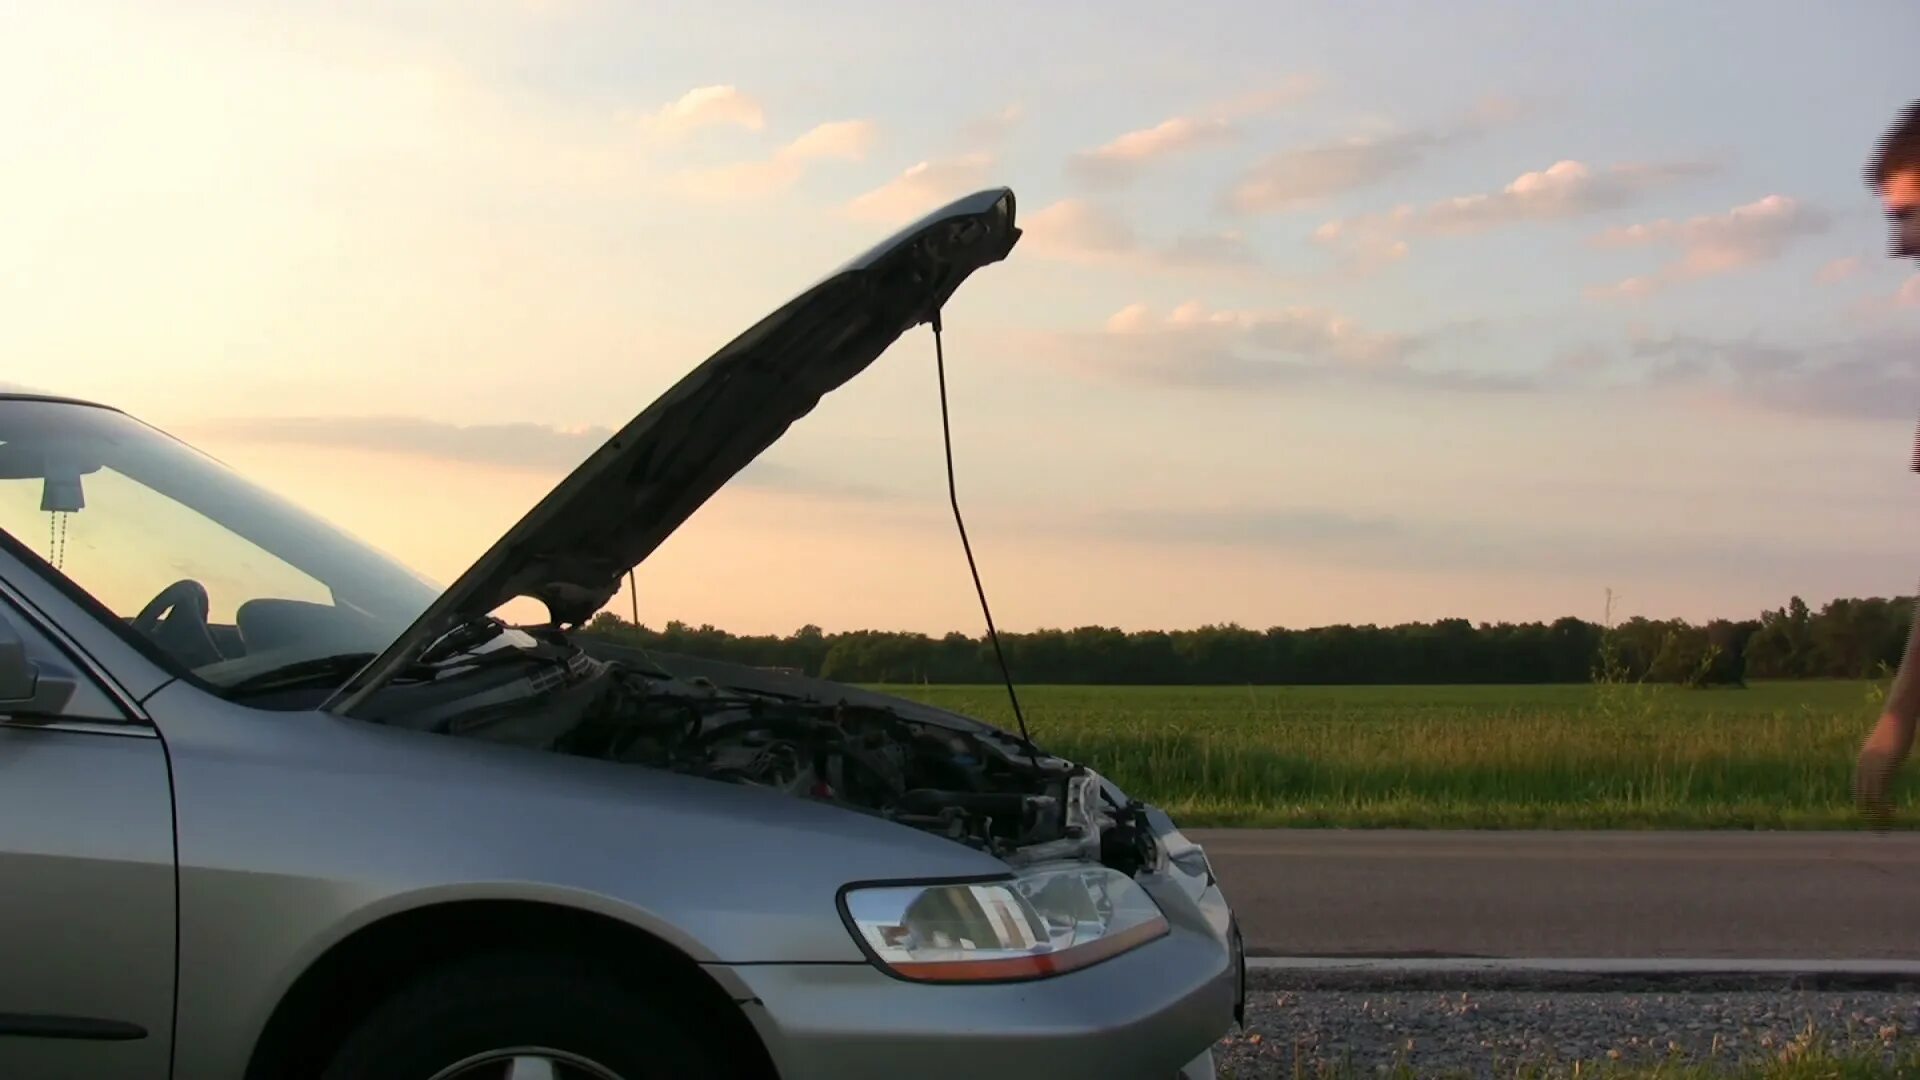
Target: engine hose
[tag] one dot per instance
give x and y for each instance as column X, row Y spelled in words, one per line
column 998, row 803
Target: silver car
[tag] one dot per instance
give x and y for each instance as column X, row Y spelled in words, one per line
column 271, row 805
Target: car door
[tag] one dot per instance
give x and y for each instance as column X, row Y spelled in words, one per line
column 87, row 929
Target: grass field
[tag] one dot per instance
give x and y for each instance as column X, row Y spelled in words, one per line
column 1774, row 755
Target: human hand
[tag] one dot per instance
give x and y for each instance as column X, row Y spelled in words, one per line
column 1882, row 753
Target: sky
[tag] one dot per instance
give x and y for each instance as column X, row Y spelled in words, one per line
column 1323, row 312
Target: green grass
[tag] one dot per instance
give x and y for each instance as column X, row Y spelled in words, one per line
column 1773, row 756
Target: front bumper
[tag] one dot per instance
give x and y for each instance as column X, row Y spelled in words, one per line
column 1153, row 1013
column 1148, row 1013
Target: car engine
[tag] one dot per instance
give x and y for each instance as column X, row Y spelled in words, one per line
column 991, row 792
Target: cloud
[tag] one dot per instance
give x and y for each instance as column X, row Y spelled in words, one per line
column 705, row 106
column 1212, row 249
column 932, row 182
column 1840, row 270
column 1288, row 91
column 1301, row 176
column 1879, row 304
column 845, row 139
column 993, row 129
column 1122, row 159
column 1437, row 543
column 1309, row 528
column 1078, row 230
column 1715, row 244
column 530, row 446
column 1076, row 226
column 840, row 140
column 772, row 476
column 1198, row 347
column 515, row 445
column 1299, row 331
column 1865, row 378
column 1633, row 288
column 1565, row 189
column 1581, row 358
column 923, row 187
column 552, row 8
column 1298, row 177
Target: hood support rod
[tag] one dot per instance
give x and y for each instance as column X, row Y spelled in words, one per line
column 953, row 498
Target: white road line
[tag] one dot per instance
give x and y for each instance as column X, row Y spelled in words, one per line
column 1586, row 966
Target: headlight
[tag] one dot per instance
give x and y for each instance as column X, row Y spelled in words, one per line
column 1043, row 922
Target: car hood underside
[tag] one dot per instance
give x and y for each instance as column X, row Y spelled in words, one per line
column 572, row 549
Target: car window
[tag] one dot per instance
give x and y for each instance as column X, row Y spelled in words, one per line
column 129, row 542
column 221, row 579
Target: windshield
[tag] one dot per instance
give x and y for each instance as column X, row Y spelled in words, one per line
column 224, row 579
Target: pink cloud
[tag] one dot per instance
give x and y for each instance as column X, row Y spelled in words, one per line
column 1288, row 91
column 992, row 130
column 927, row 184
column 841, row 140
column 1121, row 159
column 1880, row 304
column 1632, row 288
column 1713, row 244
column 1909, row 294
column 1080, row 230
column 1306, row 175
column 1300, row 177
column 1839, row 270
column 1308, row 331
column 844, row 139
column 1716, row 243
column 706, row 106
column 1565, row 189
column 1078, row 227
column 923, row 187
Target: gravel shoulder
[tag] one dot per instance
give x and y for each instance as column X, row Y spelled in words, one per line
column 1301, row 1024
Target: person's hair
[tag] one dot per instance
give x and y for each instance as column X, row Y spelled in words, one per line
column 1899, row 149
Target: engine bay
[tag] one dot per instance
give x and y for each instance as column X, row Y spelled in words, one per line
column 988, row 790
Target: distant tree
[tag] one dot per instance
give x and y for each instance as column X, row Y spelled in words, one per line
column 1847, row 638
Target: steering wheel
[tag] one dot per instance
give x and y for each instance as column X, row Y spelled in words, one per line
column 176, row 620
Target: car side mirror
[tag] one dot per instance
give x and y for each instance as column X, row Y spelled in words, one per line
column 27, row 686
column 17, row 674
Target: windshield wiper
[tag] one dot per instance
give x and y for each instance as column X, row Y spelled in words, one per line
column 464, row 636
column 336, row 669
column 321, row 670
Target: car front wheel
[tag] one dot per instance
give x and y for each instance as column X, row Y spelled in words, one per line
column 526, row 1017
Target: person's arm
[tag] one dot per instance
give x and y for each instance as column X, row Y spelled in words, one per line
column 1892, row 737
column 1903, row 698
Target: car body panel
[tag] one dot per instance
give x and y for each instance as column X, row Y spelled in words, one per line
column 298, row 828
column 87, row 862
column 86, row 855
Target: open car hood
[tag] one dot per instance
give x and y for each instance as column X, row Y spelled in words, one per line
column 572, row 549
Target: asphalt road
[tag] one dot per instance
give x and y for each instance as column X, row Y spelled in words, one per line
column 1592, row 895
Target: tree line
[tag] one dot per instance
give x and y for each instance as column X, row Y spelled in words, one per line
column 1846, row 638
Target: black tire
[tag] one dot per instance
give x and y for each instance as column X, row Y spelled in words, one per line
column 511, row 1000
